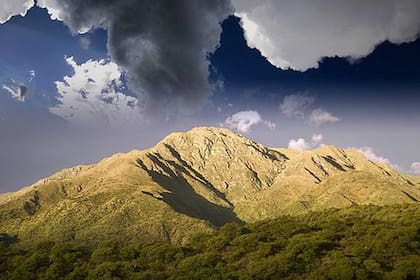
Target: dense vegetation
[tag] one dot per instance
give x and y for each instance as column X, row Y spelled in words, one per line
column 356, row 243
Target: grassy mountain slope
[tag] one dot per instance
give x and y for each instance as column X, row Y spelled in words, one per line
column 359, row 242
column 191, row 182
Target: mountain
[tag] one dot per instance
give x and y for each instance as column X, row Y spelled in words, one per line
column 193, row 182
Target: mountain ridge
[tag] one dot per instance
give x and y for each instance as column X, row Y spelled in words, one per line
column 195, row 181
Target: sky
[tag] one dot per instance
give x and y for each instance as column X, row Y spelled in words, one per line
column 82, row 80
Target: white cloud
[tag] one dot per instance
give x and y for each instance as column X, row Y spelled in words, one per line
column 16, row 90
column 317, row 138
column 319, row 117
column 9, row 8
column 243, row 121
column 271, row 125
column 295, row 105
column 93, row 94
column 302, row 145
column 32, row 75
column 299, row 144
column 297, row 34
column 54, row 10
column 415, row 168
column 85, row 42
column 370, row 154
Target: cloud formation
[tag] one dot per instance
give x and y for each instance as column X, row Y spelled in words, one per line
column 319, row 117
column 299, row 104
column 297, row 34
column 295, row 105
column 9, row 8
column 243, row 121
column 301, row 144
column 161, row 44
column 32, row 75
column 317, row 138
column 85, row 43
column 370, row 154
column 94, row 95
column 415, row 168
column 16, row 90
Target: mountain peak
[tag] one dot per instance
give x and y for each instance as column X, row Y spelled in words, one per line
column 213, row 130
column 201, row 132
column 194, row 180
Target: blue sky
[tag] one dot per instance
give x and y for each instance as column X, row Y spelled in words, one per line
column 68, row 98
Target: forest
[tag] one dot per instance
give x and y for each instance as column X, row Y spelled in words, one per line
column 360, row 242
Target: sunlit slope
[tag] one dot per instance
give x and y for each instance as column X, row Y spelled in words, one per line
column 192, row 182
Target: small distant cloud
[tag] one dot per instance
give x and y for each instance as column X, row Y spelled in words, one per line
column 317, row 138
column 243, row 121
column 301, row 144
column 415, row 168
column 295, row 105
column 271, row 125
column 319, row 117
column 16, row 90
column 298, row 105
column 32, row 75
column 370, row 154
column 85, row 42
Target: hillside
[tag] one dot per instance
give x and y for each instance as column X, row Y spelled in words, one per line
column 193, row 182
column 359, row 242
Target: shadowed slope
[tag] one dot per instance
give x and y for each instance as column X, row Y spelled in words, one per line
column 192, row 182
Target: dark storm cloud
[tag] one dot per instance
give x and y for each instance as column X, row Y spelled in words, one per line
column 162, row 44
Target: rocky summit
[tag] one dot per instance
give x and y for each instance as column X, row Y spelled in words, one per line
column 194, row 182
